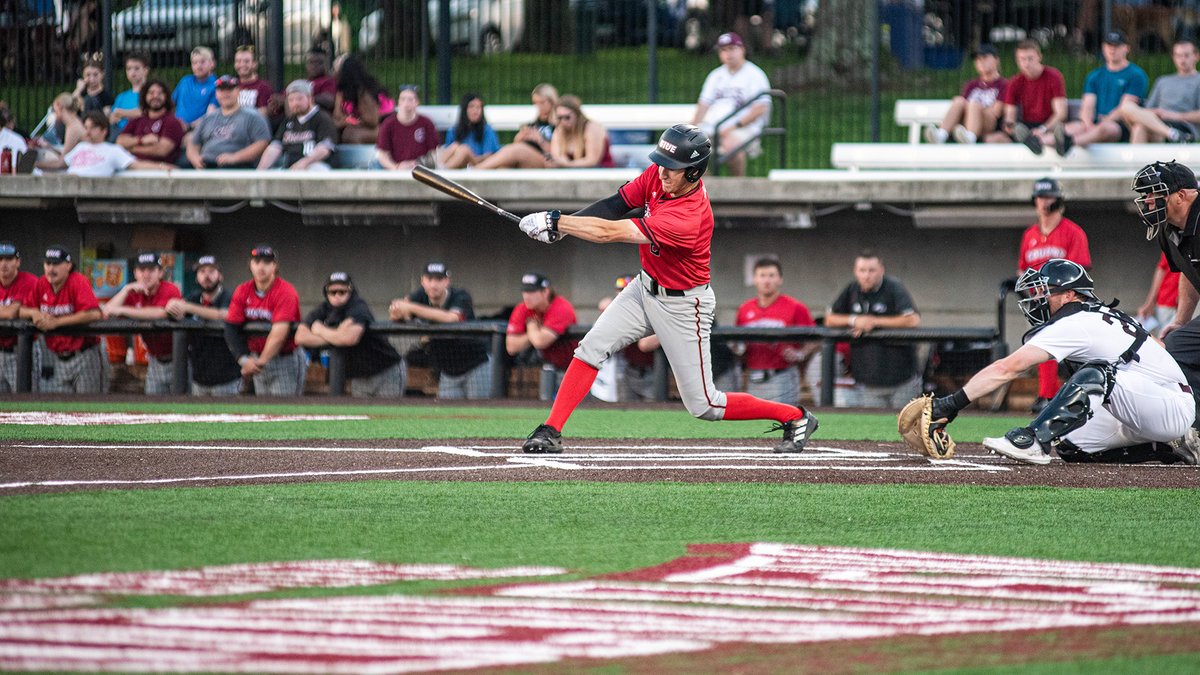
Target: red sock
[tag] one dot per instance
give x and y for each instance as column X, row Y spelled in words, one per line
column 576, row 384
column 746, row 407
column 1048, row 379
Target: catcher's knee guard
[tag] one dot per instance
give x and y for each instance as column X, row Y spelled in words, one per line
column 1071, row 407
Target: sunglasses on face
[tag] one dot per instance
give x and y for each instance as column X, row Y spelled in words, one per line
column 337, row 292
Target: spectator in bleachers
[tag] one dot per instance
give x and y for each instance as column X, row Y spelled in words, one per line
column 1173, row 109
column 156, row 134
column 127, row 104
column 406, row 138
column 10, row 139
column 196, row 95
column 471, row 139
column 230, row 137
column 1118, row 82
column 67, row 130
column 735, row 82
column 1035, row 100
column 96, row 157
column 978, row 110
column 361, row 102
column 463, row 364
column 578, row 142
column 1163, row 298
column 64, row 297
column 306, row 139
column 540, row 322
column 146, row 297
column 91, row 90
column 373, row 367
column 531, row 145
column 254, row 93
column 324, row 86
column 772, row 368
column 272, row 360
column 214, row 370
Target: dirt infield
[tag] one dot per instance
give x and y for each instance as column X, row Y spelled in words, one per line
column 54, row 466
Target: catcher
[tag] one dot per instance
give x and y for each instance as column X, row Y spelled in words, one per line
column 1126, row 402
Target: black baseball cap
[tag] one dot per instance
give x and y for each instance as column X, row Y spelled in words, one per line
column 436, row 268
column 534, row 281
column 1114, row 37
column 263, row 252
column 9, row 250
column 339, row 278
column 206, row 261
column 147, row 260
column 985, row 50
column 1177, row 177
column 58, row 254
column 1046, row 187
column 227, row 82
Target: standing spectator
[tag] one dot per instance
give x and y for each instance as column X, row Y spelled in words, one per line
column 978, row 110
column 128, row 104
column 885, row 374
column 725, row 90
column 343, row 320
column 1173, row 108
column 253, row 93
column 406, row 138
column 196, row 94
column 463, row 364
column 230, row 137
column 532, row 142
column 157, row 134
column 1162, row 299
column 146, row 297
column 540, row 322
column 306, row 139
column 578, row 142
column 324, row 86
column 1035, row 100
column 361, row 102
column 214, row 370
column 771, row 367
column 96, row 157
column 63, row 297
column 91, row 90
column 16, row 290
column 1117, row 83
column 272, row 360
column 471, row 139
column 1052, row 236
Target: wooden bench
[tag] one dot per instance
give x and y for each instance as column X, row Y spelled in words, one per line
column 916, row 113
column 1006, row 156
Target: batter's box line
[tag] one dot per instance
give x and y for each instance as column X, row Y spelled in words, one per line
column 934, row 468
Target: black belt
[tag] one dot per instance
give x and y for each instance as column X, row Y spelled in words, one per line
column 7, row 350
column 67, row 356
column 656, row 289
column 775, row 371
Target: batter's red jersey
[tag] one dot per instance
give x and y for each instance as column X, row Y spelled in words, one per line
column 1168, row 291
column 279, row 303
column 158, row 344
column 1067, row 240
column 679, row 229
column 783, row 312
column 75, row 296
column 558, row 317
column 16, row 293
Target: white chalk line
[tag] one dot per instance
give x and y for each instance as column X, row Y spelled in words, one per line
column 444, row 449
column 254, row 476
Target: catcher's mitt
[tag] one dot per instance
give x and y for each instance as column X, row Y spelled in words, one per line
column 923, row 433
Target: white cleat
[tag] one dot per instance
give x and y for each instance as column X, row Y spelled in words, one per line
column 1030, row 455
column 1187, row 448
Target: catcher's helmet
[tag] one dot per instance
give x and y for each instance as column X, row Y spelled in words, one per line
column 1035, row 287
column 1154, row 183
column 1048, row 187
column 683, row 146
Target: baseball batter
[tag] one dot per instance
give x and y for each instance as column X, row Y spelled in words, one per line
column 666, row 212
column 1127, row 400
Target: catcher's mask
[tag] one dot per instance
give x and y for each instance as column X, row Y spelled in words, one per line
column 1048, row 187
column 683, row 146
column 1153, row 185
column 1035, row 287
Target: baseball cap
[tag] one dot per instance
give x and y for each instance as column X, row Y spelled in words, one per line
column 730, row 40
column 623, row 281
column 58, row 254
column 1114, row 37
column 1046, row 187
column 9, row 250
column 299, row 87
column 985, row 50
column 534, row 281
column 1177, row 177
column 339, row 278
column 436, row 269
column 227, row 82
column 263, row 252
column 147, row 260
column 206, row 261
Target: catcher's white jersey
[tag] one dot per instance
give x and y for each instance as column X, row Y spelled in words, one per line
column 1103, row 334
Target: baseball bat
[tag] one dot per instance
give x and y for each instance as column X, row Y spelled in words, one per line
column 443, row 184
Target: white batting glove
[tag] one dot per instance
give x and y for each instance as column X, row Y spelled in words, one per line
column 542, row 226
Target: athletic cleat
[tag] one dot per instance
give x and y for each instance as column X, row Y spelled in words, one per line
column 1018, row 444
column 544, row 440
column 965, row 135
column 1063, row 142
column 1024, row 136
column 796, row 433
column 935, row 134
column 1186, row 450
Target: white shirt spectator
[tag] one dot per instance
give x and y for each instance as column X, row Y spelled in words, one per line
column 11, row 140
column 724, row 91
column 98, row 160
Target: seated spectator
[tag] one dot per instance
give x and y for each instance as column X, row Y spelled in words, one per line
column 195, row 96
column 771, row 367
column 1118, row 82
column 63, row 297
column 96, row 157
column 230, row 137
column 10, row 139
column 471, row 139
column 406, row 138
column 254, row 93
column 1035, row 100
column 156, row 134
column 306, row 138
column 146, row 297
column 531, row 145
column 728, row 86
column 979, row 109
column 272, row 360
column 214, row 370
column 127, row 104
column 1173, row 109
column 324, row 86
column 91, row 90
column 464, row 365
column 67, row 129
column 540, row 322
column 373, row 367
column 361, row 102
column 15, row 288
column 578, row 142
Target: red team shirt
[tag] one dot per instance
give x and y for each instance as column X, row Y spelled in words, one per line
column 158, row 344
column 16, row 293
column 679, row 229
column 1067, row 240
column 558, row 317
column 75, row 296
column 785, row 311
column 1168, row 291
column 279, row 303
column 1034, row 96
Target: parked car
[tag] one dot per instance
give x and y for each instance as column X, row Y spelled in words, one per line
column 477, row 26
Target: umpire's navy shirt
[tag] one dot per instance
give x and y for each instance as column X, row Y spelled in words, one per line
column 1189, row 242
